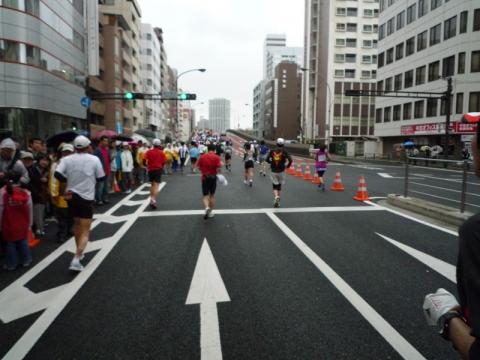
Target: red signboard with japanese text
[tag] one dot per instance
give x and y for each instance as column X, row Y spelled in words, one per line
column 456, row 127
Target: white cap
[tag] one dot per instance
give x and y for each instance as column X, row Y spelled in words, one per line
column 156, row 142
column 125, row 143
column 8, row 144
column 81, row 142
column 26, row 155
column 280, row 141
column 67, row 147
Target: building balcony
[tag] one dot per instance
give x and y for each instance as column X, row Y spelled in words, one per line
column 127, row 77
column 126, row 56
column 97, row 84
column 98, row 108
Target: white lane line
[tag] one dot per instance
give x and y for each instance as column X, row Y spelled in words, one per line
column 261, row 211
column 442, row 188
column 443, row 268
column 441, row 197
column 207, row 289
column 448, row 231
column 444, row 179
column 392, row 336
column 385, row 175
column 55, row 305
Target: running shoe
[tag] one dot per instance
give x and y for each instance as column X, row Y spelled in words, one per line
column 75, row 265
column 153, row 205
column 245, row 182
column 211, row 214
column 323, row 187
column 276, row 203
column 208, row 211
column 250, row 183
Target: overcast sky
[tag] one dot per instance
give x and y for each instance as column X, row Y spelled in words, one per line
column 225, row 37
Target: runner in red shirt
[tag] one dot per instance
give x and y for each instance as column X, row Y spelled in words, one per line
column 155, row 161
column 209, row 165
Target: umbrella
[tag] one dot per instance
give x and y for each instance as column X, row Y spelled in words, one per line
column 108, row 133
column 146, row 132
column 425, row 148
column 64, row 137
column 408, row 143
column 123, row 138
column 138, row 137
column 472, row 118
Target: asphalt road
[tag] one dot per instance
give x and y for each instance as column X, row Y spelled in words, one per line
column 323, row 277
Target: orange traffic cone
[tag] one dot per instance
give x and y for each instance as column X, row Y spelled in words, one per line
column 32, row 241
column 298, row 173
column 308, row 175
column 316, row 179
column 291, row 169
column 116, row 188
column 362, row 194
column 337, row 185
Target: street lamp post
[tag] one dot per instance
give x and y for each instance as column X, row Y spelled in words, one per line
column 176, row 91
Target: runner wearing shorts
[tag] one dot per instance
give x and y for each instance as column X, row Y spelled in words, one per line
column 194, row 154
column 209, row 165
column 263, row 151
column 249, row 164
column 155, row 160
column 228, row 156
column 321, row 158
column 80, row 171
column 279, row 160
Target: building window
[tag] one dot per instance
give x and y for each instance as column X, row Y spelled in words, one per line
column 418, row 111
column 401, row 20
column 351, row 58
column 366, row 59
column 422, row 8
column 341, row 11
column 378, row 116
column 476, row 20
column 397, row 112
column 410, row 46
column 387, row 112
column 339, row 73
column 380, row 85
column 420, row 75
column 475, row 61
column 407, row 111
column 463, row 22
column 461, row 63
column 381, row 32
column 367, row 28
column 474, row 102
column 411, row 13
column 352, row 11
column 459, row 104
column 435, row 34
column 339, row 58
column 352, row 43
column 432, row 105
column 399, row 51
column 389, row 59
column 367, row 13
column 367, row 44
column 339, row 42
column 374, row 74
column 374, row 59
column 448, row 66
column 450, row 28
column 390, row 26
column 350, row 73
column 435, row 4
column 434, row 71
column 381, row 59
column 366, row 74
column 398, row 82
column 408, row 79
column 341, row 27
column 422, row 41
column 388, row 84
column 351, row 27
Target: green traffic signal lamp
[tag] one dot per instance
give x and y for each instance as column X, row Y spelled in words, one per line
column 187, row 96
column 128, row 95
column 183, row 96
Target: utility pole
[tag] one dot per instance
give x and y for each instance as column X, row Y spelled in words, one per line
column 448, row 106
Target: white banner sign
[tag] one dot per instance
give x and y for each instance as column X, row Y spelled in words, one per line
column 91, row 24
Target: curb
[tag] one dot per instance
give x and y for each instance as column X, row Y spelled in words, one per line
column 440, row 212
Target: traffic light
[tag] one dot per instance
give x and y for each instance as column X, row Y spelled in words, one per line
column 74, row 126
column 128, row 96
column 187, row 96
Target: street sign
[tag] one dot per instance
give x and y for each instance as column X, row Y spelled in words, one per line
column 119, row 127
column 86, row 101
column 169, row 94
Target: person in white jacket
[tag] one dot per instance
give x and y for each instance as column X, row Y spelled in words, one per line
column 127, row 168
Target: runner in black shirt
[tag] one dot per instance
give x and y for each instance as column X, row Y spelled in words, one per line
column 279, row 160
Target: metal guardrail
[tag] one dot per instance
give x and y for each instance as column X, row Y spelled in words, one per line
column 465, row 164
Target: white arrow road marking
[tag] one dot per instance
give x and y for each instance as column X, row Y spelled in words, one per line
column 385, row 175
column 207, row 289
column 392, row 336
column 388, row 176
column 366, row 167
column 443, row 268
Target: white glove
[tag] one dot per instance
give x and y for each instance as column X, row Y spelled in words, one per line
column 438, row 304
column 222, row 179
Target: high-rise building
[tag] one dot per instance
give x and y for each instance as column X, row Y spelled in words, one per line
column 420, row 45
column 204, row 123
column 151, row 76
column 164, row 85
column 259, row 109
column 43, row 67
column 272, row 43
column 282, row 102
column 219, row 114
column 340, row 54
column 119, row 67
